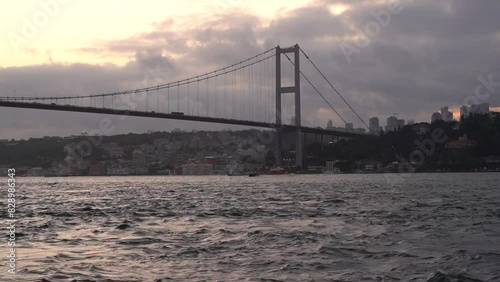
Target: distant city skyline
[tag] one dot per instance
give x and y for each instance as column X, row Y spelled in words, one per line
column 445, row 113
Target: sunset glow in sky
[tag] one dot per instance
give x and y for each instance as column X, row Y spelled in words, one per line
column 411, row 60
column 73, row 26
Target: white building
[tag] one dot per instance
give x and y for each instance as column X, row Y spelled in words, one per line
column 316, row 168
column 330, row 167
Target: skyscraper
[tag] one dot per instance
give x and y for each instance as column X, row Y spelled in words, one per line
column 401, row 123
column 464, row 112
column 480, row 109
column 392, row 123
column 446, row 115
column 374, row 125
column 329, row 125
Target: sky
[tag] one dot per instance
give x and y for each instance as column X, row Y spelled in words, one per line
column 406, row 57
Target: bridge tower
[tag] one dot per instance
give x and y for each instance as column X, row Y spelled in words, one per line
column 284, row 90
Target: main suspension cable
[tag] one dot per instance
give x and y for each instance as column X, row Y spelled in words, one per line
column 335, row 89
column 316, row 89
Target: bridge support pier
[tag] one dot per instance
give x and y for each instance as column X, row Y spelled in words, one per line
column 284, row 90
column 279, row 129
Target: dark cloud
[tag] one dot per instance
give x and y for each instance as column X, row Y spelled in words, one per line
column 429, row 55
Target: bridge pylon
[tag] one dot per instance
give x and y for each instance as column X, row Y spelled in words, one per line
column 280, row 90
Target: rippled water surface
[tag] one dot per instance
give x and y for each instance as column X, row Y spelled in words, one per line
column 431, row 227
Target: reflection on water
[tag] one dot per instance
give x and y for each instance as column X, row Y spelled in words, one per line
column 433, row 227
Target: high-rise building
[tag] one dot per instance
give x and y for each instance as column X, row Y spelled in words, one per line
column 446, row 115
column 464, row 112
column 392, row 123
column 329, row 125
column 401, row 123
column 480, row 109
column 484, row 108
column 450, row 116
column 435, row 117
column 374, row 125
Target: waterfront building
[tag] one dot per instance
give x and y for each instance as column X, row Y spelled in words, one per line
column 197, row 169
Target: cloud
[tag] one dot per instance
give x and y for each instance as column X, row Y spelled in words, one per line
column 429, row 55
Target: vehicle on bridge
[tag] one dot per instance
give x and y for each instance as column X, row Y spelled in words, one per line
column 177, row 113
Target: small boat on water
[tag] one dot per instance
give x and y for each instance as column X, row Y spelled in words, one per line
column 253, row 174
column 277, row 171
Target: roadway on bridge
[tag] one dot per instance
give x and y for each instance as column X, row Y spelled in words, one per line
column 152, row 114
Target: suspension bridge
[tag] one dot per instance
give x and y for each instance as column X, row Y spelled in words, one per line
column 261, row 91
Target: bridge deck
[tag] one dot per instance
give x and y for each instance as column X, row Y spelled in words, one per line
column 152, row 114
